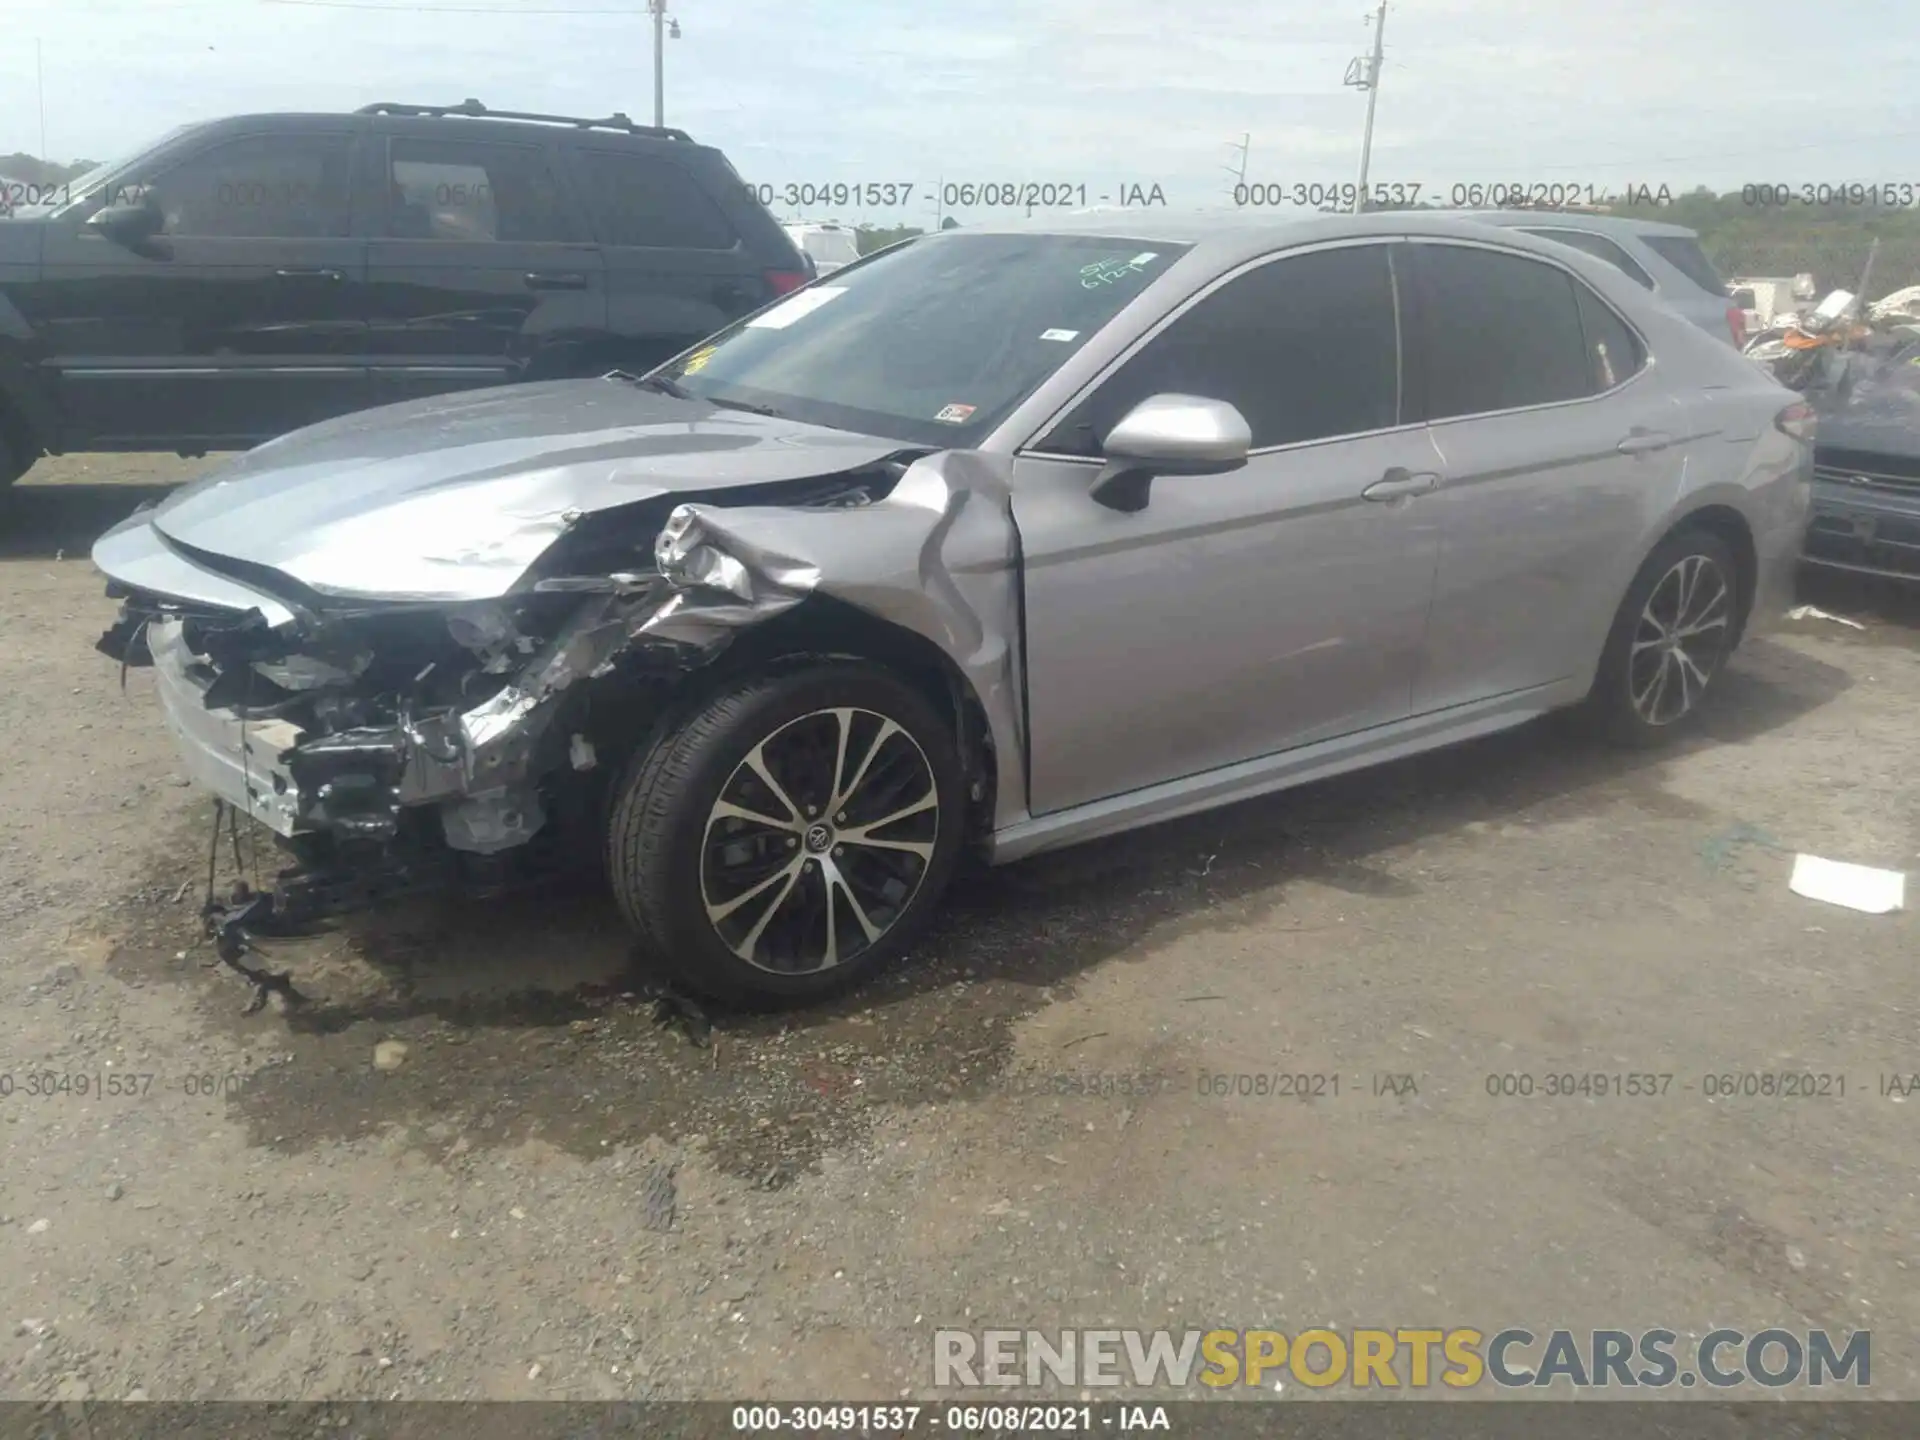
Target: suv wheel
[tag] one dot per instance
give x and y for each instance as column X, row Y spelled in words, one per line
column 1671, row 637
column 791, row 835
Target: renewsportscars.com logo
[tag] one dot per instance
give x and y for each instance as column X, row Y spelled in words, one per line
column 1401, row 1358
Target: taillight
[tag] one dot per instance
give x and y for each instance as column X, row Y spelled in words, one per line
column 1796, row 420
column 1737, row 323
column 785, row 282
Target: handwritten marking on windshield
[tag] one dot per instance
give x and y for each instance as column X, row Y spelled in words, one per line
column 1108, row 272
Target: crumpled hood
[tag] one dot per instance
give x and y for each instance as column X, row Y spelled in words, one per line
column 453, row 497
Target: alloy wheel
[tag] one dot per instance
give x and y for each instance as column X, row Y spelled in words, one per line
column 1680, row 640
column 819, row 840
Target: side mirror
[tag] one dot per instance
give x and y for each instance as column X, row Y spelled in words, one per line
column 1169, row 435
column 127, row 222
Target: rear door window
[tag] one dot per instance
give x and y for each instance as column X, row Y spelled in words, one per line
column 1500, row 331
column 1601, row 248
column 645, row 201
column 1683, row 252
column 474, row 190
column 1306, row 347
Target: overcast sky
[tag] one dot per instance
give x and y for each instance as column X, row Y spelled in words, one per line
column 1095, row 92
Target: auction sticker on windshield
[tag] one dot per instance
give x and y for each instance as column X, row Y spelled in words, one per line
column 956, row 414
column 798, row 308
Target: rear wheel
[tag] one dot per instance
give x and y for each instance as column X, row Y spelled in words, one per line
column 1670, row 639
column 792, row 835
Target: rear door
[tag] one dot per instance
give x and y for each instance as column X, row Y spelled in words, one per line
column 677, row 268
column 484, row 270
column 242, row 319
column 1558, row 445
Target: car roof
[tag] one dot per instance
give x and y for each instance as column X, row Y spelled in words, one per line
column 1618, row 225
column 478, row 126
column 1226, row 236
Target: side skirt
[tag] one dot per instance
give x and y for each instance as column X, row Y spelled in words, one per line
column 1033, row 835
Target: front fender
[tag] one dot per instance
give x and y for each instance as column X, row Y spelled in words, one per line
column 938, row 556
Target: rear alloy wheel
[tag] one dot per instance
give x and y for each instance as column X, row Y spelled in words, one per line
column 791, row 836
column 1672, row 636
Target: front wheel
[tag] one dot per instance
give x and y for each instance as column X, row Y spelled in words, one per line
column 791, row 835
column 1670, row 639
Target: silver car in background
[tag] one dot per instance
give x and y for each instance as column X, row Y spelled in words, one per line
column 1003, row 538
column 1666, row 260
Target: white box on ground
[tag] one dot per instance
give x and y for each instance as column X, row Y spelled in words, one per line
column 1858, row 887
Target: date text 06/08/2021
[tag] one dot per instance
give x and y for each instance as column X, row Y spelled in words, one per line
column 1071, row 193
column 1056, row 194
column 957, row 1419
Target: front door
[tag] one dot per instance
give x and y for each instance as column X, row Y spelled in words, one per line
column 1241, row 614
column 242, row 319
column 484, row 272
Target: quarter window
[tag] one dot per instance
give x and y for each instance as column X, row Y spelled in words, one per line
column 259, row 187
column 1614, row 352
column 1306, row 347
column 468, row 190
column 1501, row 331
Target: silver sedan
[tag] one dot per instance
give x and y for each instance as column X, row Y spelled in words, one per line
column 1001, row 538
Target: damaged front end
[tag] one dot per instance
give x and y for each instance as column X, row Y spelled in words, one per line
column 406, row 746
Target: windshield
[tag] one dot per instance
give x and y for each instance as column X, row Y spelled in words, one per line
column 933, row 342
column 68, row 193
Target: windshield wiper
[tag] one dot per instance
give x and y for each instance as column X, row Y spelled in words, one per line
column 746, row 405
column 654, row 382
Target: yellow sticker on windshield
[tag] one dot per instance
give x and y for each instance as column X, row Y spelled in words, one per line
column 697, row 361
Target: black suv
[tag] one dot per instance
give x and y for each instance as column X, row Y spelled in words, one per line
column 247, row 276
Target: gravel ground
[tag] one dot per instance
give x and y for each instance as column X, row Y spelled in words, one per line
column 475, row 1166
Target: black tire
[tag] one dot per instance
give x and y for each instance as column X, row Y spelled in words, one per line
column 1617, row 708
column 12, row 464
column 665, row 844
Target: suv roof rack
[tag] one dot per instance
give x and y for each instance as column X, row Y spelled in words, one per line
column 475, row 109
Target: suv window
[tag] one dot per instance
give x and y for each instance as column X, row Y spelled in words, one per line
column 1306, row 347
column 1501, row 331
column 259, row 187
column 640, row 200
column 1683, row 252
column 474, row 190
column 1601, row 248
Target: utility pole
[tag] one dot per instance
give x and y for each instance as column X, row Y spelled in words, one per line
column 659, row 9
column 40, row 81
column 1239, row 172
column 1364, row 74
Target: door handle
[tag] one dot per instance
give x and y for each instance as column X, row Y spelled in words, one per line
column 1644, row 442
column 333, row 275
column 1400, row 481
column 569, row 280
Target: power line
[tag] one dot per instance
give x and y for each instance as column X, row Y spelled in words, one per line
column 442, row 9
